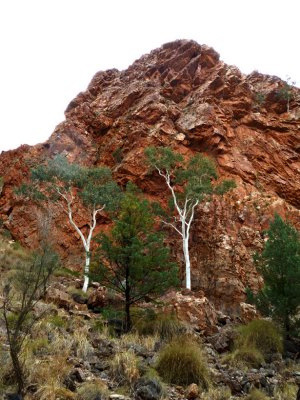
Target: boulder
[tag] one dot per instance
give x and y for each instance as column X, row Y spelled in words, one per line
column 196, row 310
column 148, row 389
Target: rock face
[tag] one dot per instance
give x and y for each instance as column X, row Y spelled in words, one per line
column 180, row 95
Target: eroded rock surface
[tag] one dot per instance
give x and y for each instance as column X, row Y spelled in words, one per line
column 180, row 95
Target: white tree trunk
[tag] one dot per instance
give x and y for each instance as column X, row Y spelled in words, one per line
column 86, row 271
column 185, row 245
column 186, row 216
column 85, row 241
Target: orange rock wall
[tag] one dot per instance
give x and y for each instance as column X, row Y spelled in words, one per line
column 180, row 95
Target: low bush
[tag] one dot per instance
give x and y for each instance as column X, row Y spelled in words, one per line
column 182, row 362
column 262, row 334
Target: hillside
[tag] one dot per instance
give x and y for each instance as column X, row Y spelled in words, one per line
column 180, row 95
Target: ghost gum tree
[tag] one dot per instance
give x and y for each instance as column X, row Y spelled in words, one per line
column 189, row 182
column 69, row 185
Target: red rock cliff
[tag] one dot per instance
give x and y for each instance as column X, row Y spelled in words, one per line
column 183, row 96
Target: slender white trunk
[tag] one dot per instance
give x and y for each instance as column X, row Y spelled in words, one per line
column 86, row 270
column 186, row 216
column 185, row 245
column 85, row 241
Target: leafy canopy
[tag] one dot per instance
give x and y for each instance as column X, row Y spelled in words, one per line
column 58, row 177
column 279, row 264
column 132, row 259
column 195, row 176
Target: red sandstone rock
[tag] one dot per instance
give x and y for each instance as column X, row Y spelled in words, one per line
column 197, row 311
column 183, row 96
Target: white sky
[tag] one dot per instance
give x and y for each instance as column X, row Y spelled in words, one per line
column 50, row 49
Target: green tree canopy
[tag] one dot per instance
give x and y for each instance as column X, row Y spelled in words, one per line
column 65, row 183
column 190, row 182
column 133, row 259
column 279, row 264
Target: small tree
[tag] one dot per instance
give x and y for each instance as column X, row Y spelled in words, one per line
column 28, row 283
column 133, row 259
column 93, row 188
column 279, row 264
column 286, row 92
column 190, row 182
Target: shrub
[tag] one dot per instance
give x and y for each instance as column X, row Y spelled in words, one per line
column 92, row 390
column 182, row 362
column 261, row 334
column 256, row 394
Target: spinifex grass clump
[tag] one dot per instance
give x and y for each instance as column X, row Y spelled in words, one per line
column 182, row 362
column 164, row 325
column 257, row 394
column 254, row 343
column 261, row 334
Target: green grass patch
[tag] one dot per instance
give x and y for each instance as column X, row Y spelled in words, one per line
column 262, row 334
column 182, row 362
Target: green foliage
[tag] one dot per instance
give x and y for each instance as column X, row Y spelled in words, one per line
column 285, row 92
column 259, row 99
column 279, row 264
column 189, row 182
column 63, row 182
column 165, row 325
column 246, row 356
column 57, row 321
column 118, row 155
column 133, row 259
column 254, row 343
column 163, row 158
column 261, row 334
column 182, row 362
column 58, row 178
column 195, row 175
column 27, row 284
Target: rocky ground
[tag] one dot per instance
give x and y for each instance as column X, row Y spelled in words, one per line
column 76, row 349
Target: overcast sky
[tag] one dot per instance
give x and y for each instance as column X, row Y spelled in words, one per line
column 50, row 49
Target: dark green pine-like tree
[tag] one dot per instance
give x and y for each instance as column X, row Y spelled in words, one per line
column 133, row 259
column 279, row 264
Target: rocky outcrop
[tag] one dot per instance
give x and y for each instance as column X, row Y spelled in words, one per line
column 181, row 95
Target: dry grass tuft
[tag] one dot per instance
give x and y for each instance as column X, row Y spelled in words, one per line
column 222, row 393
column 124, row 368
column 257, row 394
column 92, row 390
